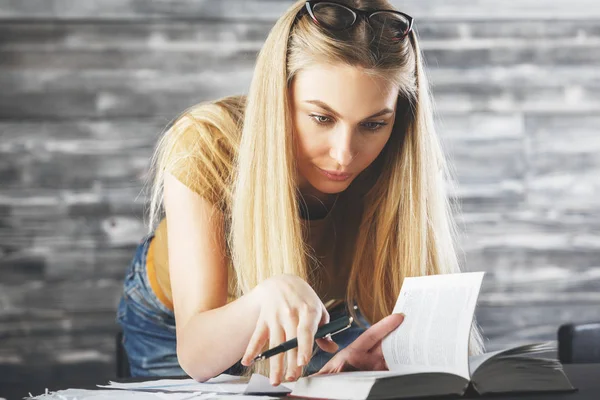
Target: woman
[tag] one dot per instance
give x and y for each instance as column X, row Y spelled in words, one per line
column 261, row 239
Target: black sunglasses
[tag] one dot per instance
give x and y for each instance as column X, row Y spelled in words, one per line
column 337, row 17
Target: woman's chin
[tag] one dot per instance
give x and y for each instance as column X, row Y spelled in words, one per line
column 332, row 187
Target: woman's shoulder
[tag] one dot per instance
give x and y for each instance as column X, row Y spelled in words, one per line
column 200, row 146
column 226, row 110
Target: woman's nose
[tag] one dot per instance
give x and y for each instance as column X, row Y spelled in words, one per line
column 342, row 146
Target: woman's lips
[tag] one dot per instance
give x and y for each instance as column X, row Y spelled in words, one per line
column 335, row 176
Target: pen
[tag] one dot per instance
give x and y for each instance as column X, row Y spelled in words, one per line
column 324, row 331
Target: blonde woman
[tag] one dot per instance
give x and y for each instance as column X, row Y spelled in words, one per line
column 320, row 190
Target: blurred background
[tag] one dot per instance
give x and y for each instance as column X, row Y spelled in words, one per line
column 87, row 87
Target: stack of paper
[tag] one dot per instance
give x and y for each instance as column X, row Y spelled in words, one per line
column 109, row 394
column 222, row 387
column 226, row 384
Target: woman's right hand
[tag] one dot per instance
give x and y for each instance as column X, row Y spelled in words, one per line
column 289, row 308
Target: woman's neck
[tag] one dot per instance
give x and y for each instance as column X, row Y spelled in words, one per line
column 313, row 206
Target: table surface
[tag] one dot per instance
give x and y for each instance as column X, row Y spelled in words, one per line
column 585, row 377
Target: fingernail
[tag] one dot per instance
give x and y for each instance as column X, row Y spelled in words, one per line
column 301, row 360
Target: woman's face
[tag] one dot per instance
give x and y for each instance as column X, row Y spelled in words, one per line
column 342, row 118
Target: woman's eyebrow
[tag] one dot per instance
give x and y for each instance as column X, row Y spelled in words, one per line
column 336, row 114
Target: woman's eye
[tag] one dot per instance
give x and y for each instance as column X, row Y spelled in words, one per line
column 320, row 119
column 370, row 126
column 373, row 126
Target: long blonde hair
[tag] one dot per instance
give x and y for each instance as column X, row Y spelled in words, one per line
column 243, row 156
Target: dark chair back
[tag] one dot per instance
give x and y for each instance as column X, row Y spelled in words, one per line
column 579, row 343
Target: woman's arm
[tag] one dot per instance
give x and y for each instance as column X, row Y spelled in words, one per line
column 211, row 335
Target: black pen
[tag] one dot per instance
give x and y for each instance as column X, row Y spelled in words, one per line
column 324, row 331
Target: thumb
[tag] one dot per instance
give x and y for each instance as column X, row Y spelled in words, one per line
column 377, row 332
column 392, row 321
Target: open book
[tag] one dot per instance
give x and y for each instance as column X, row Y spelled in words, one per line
column 428, row 354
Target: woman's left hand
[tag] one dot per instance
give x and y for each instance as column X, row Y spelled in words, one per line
column 364, row 354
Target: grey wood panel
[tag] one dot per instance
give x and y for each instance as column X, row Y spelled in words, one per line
column 565, row 167
column 568, row 77
column 81, row 136
column 201, row 57
column 17, row 323
column 36, row 35
column 196, row 59
column 506, row 160
column 56, row 170
column 156, row 35
column 510, row 325
column 72, row 262
column 271, row 9
column 61, row 350
column 79, row 95
column 529, row 223
column 99, row 295
column 80, row 70
column 517, row 77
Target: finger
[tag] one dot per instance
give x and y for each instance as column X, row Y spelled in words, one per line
column 375, row 334
column 291, row 356
column 324, row 315
column 256, row 343
column 340, row 365
column 307, row 327
column 327, row 345
column 277, row 337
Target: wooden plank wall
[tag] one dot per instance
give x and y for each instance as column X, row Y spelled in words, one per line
column 87, row 87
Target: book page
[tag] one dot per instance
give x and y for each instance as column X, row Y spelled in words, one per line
column 436, row 329
column 523, row 350
column 476, row 361
column 354, row 375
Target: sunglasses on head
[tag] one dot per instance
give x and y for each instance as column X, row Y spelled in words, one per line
column 337, row 17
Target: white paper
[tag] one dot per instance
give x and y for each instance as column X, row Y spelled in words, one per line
column 261, row 384
column 183, row 385
column 109, row 394
column 434, row 335
column 82, row 394
column 220, row 384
